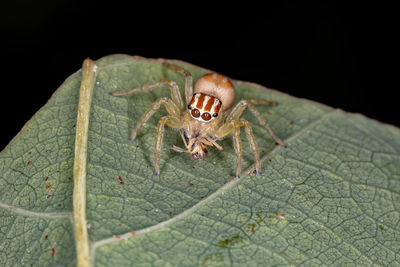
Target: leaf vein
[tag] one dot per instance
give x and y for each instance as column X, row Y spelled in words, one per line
column 28, row 213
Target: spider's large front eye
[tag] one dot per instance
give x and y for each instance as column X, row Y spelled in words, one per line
column 206, row 116
column 195, row 113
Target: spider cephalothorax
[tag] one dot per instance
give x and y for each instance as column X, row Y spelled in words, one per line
column 205, row 119
column 204, row 107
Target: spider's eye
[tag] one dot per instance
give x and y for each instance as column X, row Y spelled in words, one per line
column 195, row 113
column 215, row 115
column 189, row 107
column 206, row 116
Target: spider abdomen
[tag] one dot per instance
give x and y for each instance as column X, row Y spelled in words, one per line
column 216, row 85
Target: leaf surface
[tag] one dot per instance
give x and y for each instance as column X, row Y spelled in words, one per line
column 330, row 197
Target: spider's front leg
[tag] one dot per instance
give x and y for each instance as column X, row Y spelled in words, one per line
column 188, row 80
column 173, row 87
column 171, row 121
column 173, row 106
column 234, row 128
column 170, row 106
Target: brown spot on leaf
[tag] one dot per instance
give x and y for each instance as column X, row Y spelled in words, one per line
column 224, row 243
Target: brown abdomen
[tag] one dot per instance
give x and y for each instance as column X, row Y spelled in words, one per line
column 217, row 85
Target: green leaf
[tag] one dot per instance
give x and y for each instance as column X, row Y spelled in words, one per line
column 332, row 197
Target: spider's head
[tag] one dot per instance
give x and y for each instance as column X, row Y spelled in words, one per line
column 198, row 151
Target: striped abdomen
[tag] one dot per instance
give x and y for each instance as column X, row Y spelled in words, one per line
column 204, row 107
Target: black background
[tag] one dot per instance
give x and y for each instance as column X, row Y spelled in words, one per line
column 333, row 52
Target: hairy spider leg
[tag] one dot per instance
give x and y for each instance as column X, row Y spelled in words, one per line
column 237, row 111
column 171, row 121
column 178, row 149
column 237, row 145
column 169, row 105
column 174, row 107
column 184, row 129
column 252, row 141
column 234, row 128
column 213, row 142
column 188, row 80
column 175, row 93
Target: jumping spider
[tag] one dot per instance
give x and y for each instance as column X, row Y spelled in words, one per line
column 205, row 119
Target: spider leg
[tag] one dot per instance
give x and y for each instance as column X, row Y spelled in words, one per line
column 252, row 142
column 175, row 93
column 213, row 142
column 170, row 106
column 188, row 80
column 178, row 149
column 233, row 127
column 237, row 145
column 172, row 122
column 249, row 103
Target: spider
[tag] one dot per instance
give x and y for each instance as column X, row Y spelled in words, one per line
column 205, row 119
